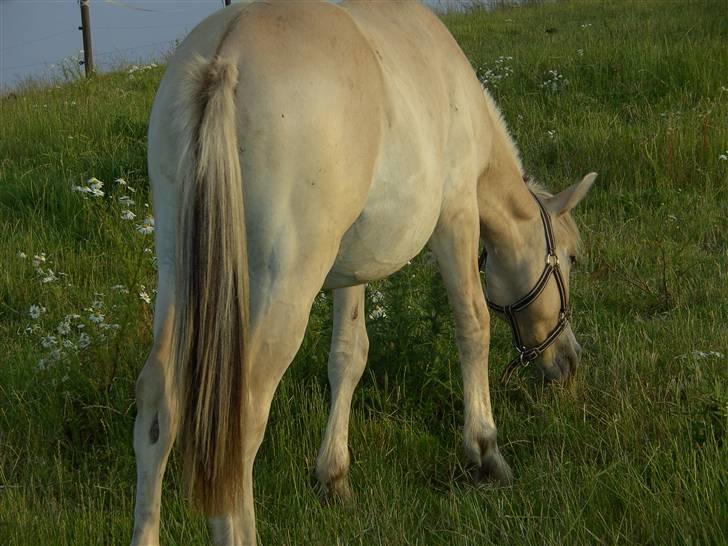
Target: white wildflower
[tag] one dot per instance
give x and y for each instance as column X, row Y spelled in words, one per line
column 376, row 296
column 94, row 182
column 493, row 75
column 84, row 340
column 554, row 81
column 96, row 304
column 49, row 276
column 580, row 52
column 127, row 215
column 55, row 355
column 41, row 364
column 68, row 344
column 723, row 157
column 703, row 355
column 64, row 328
column 107, row 326
column 97, row 318
column 378, row 312
column 144, row 296
column 36, row 311
column 48, row 341
column 94, row 187
column 120, row 288
column 146, row 227
column 126, row 200
column 22, row 255
column 39, row 259
column 122, row 182
column 551, row 133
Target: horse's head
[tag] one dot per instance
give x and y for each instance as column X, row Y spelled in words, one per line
column 529, row 286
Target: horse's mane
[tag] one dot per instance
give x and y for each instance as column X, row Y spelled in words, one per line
column 501, row 128
column 566, row 230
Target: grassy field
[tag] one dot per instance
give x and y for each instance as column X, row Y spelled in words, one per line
column 634, row 452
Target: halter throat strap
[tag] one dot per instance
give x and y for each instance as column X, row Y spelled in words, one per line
column 526, row 355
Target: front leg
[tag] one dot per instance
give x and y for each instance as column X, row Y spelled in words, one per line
column 455, row 245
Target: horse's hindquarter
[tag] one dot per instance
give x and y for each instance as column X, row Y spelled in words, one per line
column 427, row 141
column 309, row 103
column 347, row 121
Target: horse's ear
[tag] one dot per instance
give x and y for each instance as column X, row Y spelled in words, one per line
column 566, row 200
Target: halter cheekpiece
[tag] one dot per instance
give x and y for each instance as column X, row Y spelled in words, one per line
column 526, row 355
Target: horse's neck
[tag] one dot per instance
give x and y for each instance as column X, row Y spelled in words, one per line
column 509, row 214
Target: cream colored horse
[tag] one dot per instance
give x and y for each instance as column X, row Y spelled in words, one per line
column 295, row 146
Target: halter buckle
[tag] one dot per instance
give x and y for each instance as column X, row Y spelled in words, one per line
column 526, row 356
column 552, row 260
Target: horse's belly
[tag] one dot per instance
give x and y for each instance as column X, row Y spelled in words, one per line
column 388, row 233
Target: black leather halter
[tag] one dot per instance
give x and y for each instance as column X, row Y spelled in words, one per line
column 527, row 355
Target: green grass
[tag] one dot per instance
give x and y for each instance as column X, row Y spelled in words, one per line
column 635, row 452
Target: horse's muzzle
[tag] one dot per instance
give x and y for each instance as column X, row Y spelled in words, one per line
column 563, row 364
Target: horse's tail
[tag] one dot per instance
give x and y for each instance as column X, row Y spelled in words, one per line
column 211, row 308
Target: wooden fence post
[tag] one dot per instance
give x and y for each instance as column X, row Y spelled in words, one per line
column 88, row 58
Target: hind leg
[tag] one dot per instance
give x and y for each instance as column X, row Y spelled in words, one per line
column 274, row 343
column 347, row 360
column 280, row 303
column 156, row 422
column 455, row 244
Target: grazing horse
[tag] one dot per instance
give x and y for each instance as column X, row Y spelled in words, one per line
column 295, row 146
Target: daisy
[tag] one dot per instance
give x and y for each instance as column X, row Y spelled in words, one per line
column 84, row 340
column 96, row 318
column 144, row 296
column 146, row 227
column 36, row 311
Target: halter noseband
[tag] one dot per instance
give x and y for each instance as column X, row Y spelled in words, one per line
column 526, row 355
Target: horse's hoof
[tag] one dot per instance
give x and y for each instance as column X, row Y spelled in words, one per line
column 337, row 491
column 494, row 470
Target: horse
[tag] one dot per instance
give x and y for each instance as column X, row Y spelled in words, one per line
column 295, row 147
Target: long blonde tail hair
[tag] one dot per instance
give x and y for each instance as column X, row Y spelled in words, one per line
column 211, row 307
